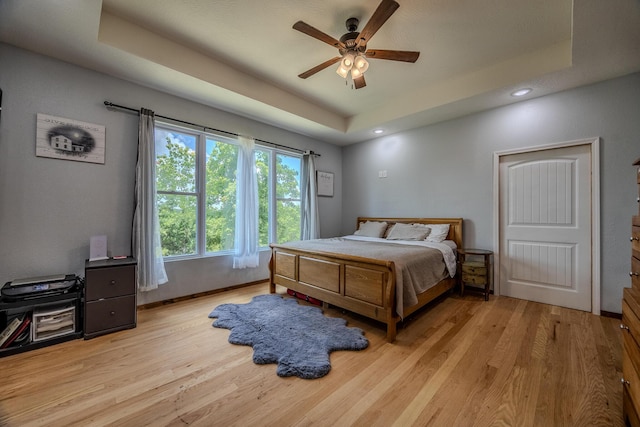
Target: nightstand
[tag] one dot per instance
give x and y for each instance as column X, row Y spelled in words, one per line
column 476, row 269
column 110, row 296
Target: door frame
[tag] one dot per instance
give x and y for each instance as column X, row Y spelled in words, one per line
column 594, row 145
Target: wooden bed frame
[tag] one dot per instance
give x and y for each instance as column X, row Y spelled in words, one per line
column 363, row 285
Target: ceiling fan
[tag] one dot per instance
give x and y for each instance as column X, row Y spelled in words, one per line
column 352, row 46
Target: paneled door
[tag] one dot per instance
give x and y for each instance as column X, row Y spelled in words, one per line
column 545, row 226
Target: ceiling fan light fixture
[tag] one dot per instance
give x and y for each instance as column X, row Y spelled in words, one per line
column 347, row 60
column 355, row 73
column 361, row 64
column 345, row 65
column 342, row 71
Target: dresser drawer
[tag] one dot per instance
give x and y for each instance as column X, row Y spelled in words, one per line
column 631, row 380
column 113, row 313
column 631, row 313
column 635, row 273
column 635, row 237
column 630, row 347
column 630, row 413
column 110, row 282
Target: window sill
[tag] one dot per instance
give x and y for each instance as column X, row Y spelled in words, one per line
column 207, row 255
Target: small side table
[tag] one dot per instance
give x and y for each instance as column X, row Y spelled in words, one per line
column 474, row 271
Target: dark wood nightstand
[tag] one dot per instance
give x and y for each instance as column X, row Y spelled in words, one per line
column 110, row 296
column 476, row 269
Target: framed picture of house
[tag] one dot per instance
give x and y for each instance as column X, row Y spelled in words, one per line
column 60, row 138
column 325, row 183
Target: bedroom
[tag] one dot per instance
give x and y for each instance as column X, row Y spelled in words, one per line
column 98, row 197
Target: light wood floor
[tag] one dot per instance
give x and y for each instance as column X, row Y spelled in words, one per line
column 460, row 362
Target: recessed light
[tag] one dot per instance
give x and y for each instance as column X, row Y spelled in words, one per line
column 521, row 92
column 378, row 131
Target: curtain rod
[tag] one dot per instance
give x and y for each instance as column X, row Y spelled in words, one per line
column 122, row 107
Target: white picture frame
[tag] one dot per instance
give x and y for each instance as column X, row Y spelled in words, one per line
column 67, row 139
column 324, row 181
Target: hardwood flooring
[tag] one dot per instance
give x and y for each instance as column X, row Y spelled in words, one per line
column 459, row 362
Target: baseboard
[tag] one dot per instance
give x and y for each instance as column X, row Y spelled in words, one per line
column 610, row 314
column 200, row 294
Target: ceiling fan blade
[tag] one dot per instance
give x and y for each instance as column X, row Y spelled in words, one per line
column 359, row 82
column 320, row 67
column 317, row 34
column 393, row 55
column 383, row 12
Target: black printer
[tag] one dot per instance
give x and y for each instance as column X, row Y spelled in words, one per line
column 38, row 287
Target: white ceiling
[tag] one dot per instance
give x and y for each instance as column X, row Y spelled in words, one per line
column 244, row 56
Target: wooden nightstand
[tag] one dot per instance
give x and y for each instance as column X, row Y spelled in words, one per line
column 476, row 269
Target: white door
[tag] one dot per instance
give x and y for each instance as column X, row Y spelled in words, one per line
column 545, row 226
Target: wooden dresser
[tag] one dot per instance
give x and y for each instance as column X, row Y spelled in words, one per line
column 110, row 296
column 631, row 325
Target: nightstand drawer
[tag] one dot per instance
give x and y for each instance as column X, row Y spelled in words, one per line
column 113, row 313
column 476, row 280
column 110, row 282
column 476, row 268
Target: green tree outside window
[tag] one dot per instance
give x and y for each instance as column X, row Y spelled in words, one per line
column 180, row 198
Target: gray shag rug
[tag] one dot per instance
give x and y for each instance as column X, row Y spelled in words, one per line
column 297, row 337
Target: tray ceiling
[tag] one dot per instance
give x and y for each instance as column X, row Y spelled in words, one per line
column 244, row 57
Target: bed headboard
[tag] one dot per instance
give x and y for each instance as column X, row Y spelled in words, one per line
column 455, row 225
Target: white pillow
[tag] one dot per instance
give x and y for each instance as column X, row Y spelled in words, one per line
column 401, row 231
column 438, row 232
column 371, row 229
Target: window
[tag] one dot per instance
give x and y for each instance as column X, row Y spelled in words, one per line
column 287, row 198
column 196, row 191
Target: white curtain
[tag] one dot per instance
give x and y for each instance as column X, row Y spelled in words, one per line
column 310, row 220
column 146, row 229
column 246, row 236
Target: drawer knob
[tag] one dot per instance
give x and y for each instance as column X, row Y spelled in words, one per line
column 624, row 382
column 113, row 313
column 632, row 238
column 634, row 273
column 623, row 326
column 113, row 282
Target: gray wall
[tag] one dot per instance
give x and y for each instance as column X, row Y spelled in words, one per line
column 50, row 208
column 446, row 169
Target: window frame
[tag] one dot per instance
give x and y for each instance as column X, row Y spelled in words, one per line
column 201, row 137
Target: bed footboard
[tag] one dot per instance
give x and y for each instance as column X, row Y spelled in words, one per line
column 364, row 286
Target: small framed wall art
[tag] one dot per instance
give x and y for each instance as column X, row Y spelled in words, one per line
column 60, row 138
column 325, row 183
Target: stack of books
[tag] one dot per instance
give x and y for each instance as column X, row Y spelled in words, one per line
column 17, row 331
